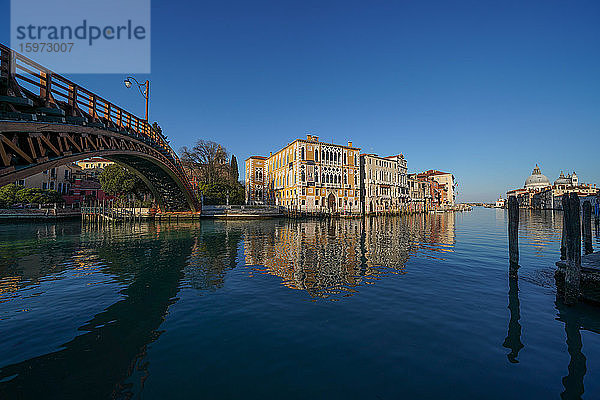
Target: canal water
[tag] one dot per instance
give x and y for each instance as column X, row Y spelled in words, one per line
column 397, row 307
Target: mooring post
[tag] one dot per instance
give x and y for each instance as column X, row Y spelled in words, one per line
column 513, row 235
column 563, row 239
column 573, row 238
column 587, row 227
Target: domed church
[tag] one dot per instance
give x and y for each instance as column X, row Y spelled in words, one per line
column 538, row 192
column 537, row 180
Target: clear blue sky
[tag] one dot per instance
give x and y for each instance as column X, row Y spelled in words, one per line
column 482, row 89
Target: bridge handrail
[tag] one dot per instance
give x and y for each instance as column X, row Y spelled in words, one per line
column 54, row 87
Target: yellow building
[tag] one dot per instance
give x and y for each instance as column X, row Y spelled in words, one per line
column 94, row 163
column 309, row 176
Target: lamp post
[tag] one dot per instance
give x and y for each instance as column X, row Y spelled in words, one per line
column 145, row 92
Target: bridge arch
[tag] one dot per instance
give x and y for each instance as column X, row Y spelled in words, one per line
column 33, row 147
column 47, row 120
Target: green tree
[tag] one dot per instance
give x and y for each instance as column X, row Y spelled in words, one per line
column 8, row 194
column 38, row 196
column 233, row 165
column 217, row 193
column 118, row 180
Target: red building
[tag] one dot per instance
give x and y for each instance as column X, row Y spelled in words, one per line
column 84, row 190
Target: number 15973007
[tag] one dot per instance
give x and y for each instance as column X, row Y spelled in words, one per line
column 45, row 47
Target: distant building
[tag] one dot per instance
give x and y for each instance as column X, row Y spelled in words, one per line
column 93, row 163
column 59, row 179
column 500, row 203
column 419, row 191
column 539, row 193
column 446, row 180
column 384, row 184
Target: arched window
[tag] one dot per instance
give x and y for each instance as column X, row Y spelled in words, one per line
column 345, row 159
column 345, row 178
column 302, row 176
column 302, row 154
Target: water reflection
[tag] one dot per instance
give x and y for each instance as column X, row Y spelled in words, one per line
column 148, row 267
column 576, row 319
column 151, row 260
column 513, row 338
column 334, row 257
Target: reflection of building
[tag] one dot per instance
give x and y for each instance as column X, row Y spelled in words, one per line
column 384, row 184
column 311, row 176
column 337, row 256
column 539, row 193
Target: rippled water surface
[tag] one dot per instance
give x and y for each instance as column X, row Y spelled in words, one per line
column 402, row 307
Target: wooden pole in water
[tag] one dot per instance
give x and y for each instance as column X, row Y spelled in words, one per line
column 513, row 234
column 563, row 239
column 587, row 227
column 573, row 270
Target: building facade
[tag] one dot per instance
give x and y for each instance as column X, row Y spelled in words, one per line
column 94, row 163
column 59, row 179
column 419, row 194
column 255, row 180
column 446, row 182
column 384, row 184
column 310, row 176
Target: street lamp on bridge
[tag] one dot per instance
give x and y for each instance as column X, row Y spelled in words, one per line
column 145, row 92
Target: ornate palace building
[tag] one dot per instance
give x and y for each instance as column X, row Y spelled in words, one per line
column 308, row 176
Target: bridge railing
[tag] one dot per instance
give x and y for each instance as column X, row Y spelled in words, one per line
column 58, row 92
column 54, row 89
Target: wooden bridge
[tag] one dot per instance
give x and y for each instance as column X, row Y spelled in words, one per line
column 47, row 120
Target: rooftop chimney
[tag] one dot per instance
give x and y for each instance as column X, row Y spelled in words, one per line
column 349, row 144
column 309, row 138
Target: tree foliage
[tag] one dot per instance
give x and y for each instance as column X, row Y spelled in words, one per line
column 233, row 165
column 8, row 194
column 13, row 194
column 217, row 193
column 118, row 180
column 216, row 175
column 38, row 196
column 208, row 160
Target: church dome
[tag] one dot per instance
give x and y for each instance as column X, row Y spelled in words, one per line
column 562, row 180
column 536, row 180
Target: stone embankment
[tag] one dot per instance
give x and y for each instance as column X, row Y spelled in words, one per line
column 32, row 214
